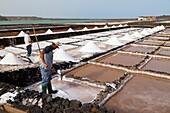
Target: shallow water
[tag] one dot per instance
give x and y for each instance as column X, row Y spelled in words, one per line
column 151, row 43
column 167, row 44
column 161, row 65
column 139, row 49
column 97, row 73
column 142, row 95
column 123, row 59
column 164, row 52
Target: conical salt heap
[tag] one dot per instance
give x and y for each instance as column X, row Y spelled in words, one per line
column 144, row 32
column 155, row 29
column 49, row 32
column 150, row 31
column 113, row 41
column 11, row 59
column 105, row 26
column 120, row 25
column 21, row 34
column 126, row 37
column 136, row 35
column 125, row 25
column 162, row 27
column 70, row 30
column 90, row 47
column 61, row 55
column 85, row 29
column 113, row 26
column 95, row 28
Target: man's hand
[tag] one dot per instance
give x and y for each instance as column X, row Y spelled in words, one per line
column 53, row 70
column 45, row 66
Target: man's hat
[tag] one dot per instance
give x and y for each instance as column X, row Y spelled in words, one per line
column 27, row 32
column 57, row 43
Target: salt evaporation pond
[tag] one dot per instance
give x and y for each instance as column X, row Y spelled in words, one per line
column 142, row 95
column 164, row 52
column 167, row 44
column 98, row 73
column 139, row 49
column 122, row 59
column 156, row 43
column 158, row 38
column 71, row 90
column 161, row 65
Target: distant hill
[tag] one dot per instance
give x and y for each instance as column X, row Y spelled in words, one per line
column 23, row 18
column 163, row 17
column 3, row 18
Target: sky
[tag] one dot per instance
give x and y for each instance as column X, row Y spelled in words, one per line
column 84, row 8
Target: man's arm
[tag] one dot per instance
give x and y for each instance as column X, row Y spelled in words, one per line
column 30, row 41
column 42, row 59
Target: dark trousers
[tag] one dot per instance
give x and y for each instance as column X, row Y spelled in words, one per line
column 29, row 49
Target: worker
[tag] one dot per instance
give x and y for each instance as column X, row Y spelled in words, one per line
column 28, row 43
column 46, row 68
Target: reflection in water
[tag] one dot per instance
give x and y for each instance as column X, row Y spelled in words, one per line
column 142, row 95
column 98, row 73
column 139, row 49
column 158, row 65
column 123, row 59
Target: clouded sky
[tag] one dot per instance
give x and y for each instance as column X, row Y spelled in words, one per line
column 85, row 8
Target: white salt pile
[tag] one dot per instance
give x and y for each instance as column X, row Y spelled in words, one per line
column 70, row 30
column 105, row 26
column 85, row 29
column 120, row 25
column 125, row 25
column 127, row 37
column 90, row 47
column 113, row 41
column 155, row 29
column 61, row 55
column 21, row 34
column 144, row 32
column 11, row 59
column 95, row 28
column 136, row 35
column 150, row 31
column 49, row 32
column 113, row 26
column 162, row 27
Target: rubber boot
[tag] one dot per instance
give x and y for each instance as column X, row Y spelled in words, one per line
column 44, row 89
column 50, row 90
